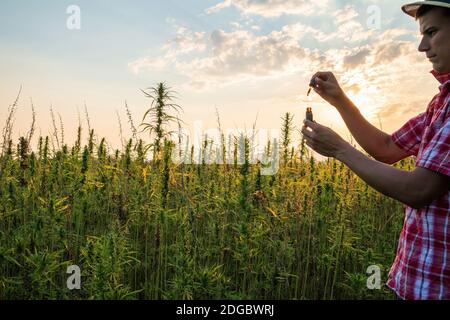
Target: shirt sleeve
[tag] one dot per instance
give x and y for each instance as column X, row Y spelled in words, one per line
column 436, row 155
column 409, row 136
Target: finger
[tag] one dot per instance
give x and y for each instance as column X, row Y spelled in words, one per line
column 307, row 133
column 313, row 125
column 312, row 82
column 317, row 76
column 320, row 83
column 310, row 144
column 317, row 90
column 322, row 75
column 308, row 138
column 307, row 127
column 310, row 141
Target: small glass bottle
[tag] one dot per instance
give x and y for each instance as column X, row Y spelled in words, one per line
column 309, row 114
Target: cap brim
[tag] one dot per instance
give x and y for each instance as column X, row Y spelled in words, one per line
column 411, row 8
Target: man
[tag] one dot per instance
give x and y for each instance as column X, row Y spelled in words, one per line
column 421, row 269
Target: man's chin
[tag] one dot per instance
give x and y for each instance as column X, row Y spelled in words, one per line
column 441, row 69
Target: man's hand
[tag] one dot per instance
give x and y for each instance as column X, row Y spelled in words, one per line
column 323, row 140
column 416, row 188
column 327, row 86
column 374, row 141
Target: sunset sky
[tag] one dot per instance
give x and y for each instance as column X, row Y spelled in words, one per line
column 247, row 58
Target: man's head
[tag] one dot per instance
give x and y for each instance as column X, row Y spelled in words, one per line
column 434, row 20
column 435, row 29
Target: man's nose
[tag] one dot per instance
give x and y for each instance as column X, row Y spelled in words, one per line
column 424, row 45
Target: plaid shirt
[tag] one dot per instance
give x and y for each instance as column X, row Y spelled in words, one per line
column 421, row 269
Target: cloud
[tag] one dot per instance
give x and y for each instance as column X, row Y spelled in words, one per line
column 355, row 88
column 240, row 55
column 272, row 8
column 346, row 14
column 383, row 50
column 353, row 31
column 348, row 27
column 228, row 57
column 368, row 70
column 396, row 109
column 388, row 51
column 356, row 59
column 223, row 57
column 219, row 6
column 186, row 41
column 299, row 31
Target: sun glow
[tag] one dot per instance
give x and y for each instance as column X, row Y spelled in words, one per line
column 367, row 101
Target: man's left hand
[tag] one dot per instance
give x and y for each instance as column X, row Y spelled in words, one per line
column 323, row 140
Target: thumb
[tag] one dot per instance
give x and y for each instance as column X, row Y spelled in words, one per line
column 311, row 124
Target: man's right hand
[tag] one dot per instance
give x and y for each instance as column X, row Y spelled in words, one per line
column 328, row 88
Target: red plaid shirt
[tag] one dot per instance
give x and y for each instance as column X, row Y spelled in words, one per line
column 421, row 269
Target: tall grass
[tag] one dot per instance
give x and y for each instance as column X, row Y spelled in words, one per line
column 187, row 231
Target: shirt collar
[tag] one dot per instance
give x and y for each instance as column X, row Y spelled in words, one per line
column 443, row 78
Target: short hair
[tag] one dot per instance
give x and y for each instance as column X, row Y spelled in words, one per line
column 424, row 9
